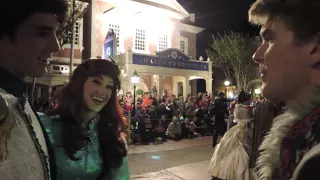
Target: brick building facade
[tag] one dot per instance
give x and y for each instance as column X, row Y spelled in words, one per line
column 143, row 27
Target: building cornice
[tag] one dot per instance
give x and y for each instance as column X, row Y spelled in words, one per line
column 180, row 13
column 190, row 28
column 181, row 8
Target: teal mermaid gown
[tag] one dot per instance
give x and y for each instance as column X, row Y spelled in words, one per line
column 89, row 167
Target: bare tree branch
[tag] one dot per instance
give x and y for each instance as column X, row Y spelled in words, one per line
column 232, row 53
column 64, row 32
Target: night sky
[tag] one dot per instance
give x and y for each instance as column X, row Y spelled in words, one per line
column 218, row 16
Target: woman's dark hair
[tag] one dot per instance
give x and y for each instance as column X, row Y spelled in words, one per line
column 221, row 94
column 243, row 97
column 111, row 124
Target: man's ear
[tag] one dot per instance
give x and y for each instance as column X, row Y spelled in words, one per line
column 314, row 52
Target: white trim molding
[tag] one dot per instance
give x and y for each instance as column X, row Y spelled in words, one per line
column 190, row 28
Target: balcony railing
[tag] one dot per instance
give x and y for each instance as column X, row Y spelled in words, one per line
column 55, row 69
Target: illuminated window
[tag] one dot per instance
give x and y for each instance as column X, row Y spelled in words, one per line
column 77, row 36
column 184, row 44
column 77, row 33
column 140, row 40
column 116, row 29
column 163, row 42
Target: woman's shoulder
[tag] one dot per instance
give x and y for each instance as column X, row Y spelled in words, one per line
column 53, row 126
column 50, row 119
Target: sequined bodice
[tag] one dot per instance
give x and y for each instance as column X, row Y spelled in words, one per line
column 90, row 164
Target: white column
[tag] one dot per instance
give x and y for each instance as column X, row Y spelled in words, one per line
column 209, row 85
column 209, row 79
column 160, row 86
column 129, row 70
column 37, row 93
column 175, row 86
column 93, row 29
column 188, row 88
column 185, row 84
column 154, row 80
column 49, row 92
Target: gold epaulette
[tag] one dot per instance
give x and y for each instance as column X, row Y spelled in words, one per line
column 5, row 129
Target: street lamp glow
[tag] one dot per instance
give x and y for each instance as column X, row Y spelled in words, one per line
column 135, row 79
column 257, row 91
column 231, row 95
column 226, row 83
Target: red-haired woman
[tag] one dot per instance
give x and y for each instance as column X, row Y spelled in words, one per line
column 88, row 139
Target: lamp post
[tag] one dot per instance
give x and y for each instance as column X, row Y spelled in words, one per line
column 226, row 84
column 257, row 92
column 134, row 80
column 72, row 38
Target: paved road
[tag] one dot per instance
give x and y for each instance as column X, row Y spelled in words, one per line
column 183, row 160
column 171, row 145
column 154, row 161
column 193, row 171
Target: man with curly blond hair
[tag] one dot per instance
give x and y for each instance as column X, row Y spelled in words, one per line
column 289, row 63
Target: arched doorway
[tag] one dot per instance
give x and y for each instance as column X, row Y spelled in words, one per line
column 198, row 84
column 201, row 85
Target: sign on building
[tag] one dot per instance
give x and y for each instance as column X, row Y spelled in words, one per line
column 170, row 58
column 110, row 46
